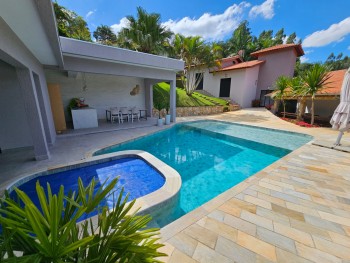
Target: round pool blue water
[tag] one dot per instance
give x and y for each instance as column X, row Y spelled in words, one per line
column 211, row 157
column 136, row 176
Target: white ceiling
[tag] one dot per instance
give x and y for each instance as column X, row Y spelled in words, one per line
column 23, row 18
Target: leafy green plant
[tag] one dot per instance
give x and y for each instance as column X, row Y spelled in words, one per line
column 50, row 233
column 159, row 104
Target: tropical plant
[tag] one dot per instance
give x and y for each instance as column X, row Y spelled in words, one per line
column 159, row 104
column 49, row 232
column 104, row 35
column 314, row 80
column 281, row 88
column 198, row 56
column 145, row 33
column 70, row 24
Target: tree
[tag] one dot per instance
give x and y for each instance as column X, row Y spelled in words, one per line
column 242, row 40
column 292, row 38
column 104, row 35
column 279, row 37
column 197, row 56
column 281, row 87
column 48, row 232
column 338, row 62
column 314, row 80
column 70, row 24
column 145, row 33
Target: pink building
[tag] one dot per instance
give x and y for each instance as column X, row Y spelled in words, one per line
column 244, row 82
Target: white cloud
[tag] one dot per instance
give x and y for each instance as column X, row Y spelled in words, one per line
column 122, row 23
column 308, row 51
column 335, row 33
column 90, row 13
column 303, row 59
column 208, row 26
column 265, row 10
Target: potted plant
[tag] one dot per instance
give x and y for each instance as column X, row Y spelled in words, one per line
column 167, row 116
column 159, row 105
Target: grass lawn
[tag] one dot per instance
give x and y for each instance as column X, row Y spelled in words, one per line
column 183, row 100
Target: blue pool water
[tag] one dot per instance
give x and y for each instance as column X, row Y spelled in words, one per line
column 211, row 157
column 136, row 176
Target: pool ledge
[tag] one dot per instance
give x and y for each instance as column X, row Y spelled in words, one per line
column 145, row 204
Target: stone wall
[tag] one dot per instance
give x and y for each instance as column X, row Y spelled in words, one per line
column 198, row 111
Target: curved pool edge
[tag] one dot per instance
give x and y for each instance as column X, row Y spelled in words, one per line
column 145, row 204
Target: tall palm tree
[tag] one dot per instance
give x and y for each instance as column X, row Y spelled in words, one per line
column 315, row 80
column 197, row 56
column 104, row 35
column 297, row 91
column 145, row 33
column 281, row 86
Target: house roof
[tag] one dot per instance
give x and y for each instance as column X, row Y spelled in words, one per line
column 228, row 59
column 297, row 47
column 336, row 81
column 243, row 65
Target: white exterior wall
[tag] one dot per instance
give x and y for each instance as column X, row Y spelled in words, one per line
column 14, row 125
column 103, row 91
column 243, row 84
column 323, row 108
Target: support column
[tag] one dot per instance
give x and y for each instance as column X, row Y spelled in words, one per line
column 173, row 99
column 148, row 97
column 27, row 84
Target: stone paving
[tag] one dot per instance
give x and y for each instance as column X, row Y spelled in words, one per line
column 295, row 210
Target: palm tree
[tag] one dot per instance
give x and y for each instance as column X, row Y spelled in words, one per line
column 197, row 56
column 297, row 91
column 315, row 80
column 145, row 33
column 281, row 86
column 105, row 35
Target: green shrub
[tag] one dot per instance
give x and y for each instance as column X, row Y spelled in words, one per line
column 226, row 109
column 50, row 233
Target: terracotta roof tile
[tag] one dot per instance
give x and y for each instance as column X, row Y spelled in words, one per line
column 336, row 81
column 242, row 65
column 299, row 50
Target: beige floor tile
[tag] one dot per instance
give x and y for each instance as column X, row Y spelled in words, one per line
column 257, row 220
column 202, row 234
column 332, row 248
column 334, row 218
column 234, row 251
column 257, row 201
column 316, row 255
column 288, row 257
column 288, row 212
column 271, row 199
column 276, row 239
column 234, row 207
column 340, row 239
column 275, row 217
column 221, row 229
column 240, row 224
column 324, row 224
column 294, row 234
column 184, row 243
column 178, row 257
column 260, row 247
column 302, row 209
column 204, row 254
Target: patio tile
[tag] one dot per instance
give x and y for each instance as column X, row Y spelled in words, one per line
column 332, row 248
column 178, row 256
column 202, row 234
column 257, row 220
column 234, row 207
column 302, row 209
column 184, row 243
column 257, row 201
column 293, row 233
column 240, row 224
column 285, row 197
column 324, row 224
column 234, row 251
column 276, row 239
column 275, row 217
column 309, row 228
column 260, row 247
column 271, row 199
column 221, row 229
column 287, row 257
column 340, row 239
column 316, row 255
column 334, row 218
column 204, row 254
column 288, row 212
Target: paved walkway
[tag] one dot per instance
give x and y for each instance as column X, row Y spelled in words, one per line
column 295, row 210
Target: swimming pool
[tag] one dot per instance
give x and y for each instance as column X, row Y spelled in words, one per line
column 211, row 157
column 135, row 169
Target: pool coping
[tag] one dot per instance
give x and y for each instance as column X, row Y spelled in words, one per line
column 146, row 203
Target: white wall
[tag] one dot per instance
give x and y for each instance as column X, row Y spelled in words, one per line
column 103, row 91
column 323, row 108
column 243, row 84
column 13, row 121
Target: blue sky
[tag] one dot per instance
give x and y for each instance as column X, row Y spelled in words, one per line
column 323, row 26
